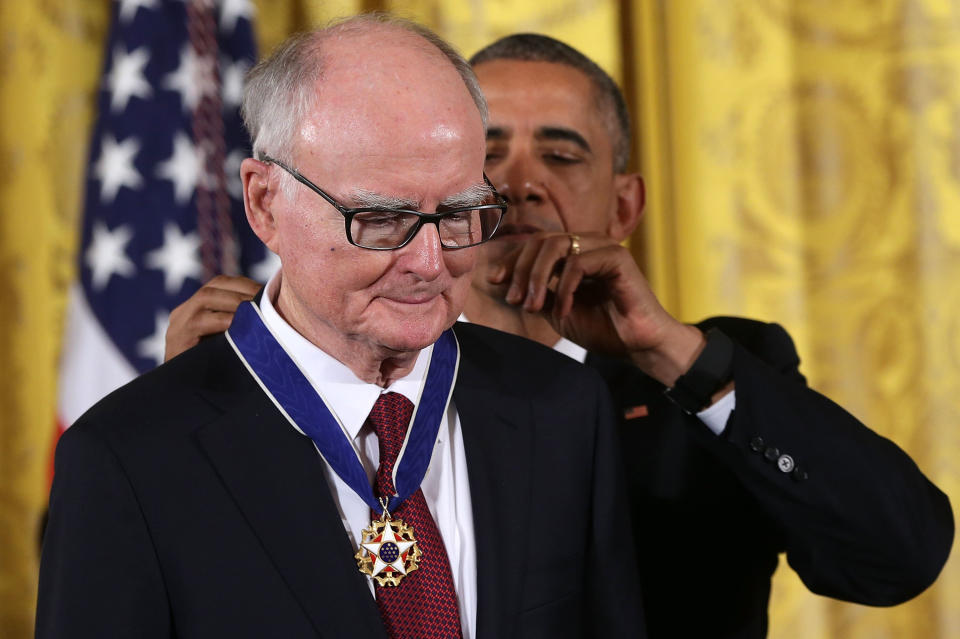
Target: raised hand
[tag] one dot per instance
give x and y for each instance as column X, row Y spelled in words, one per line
column 208, row 311
column 599, row 299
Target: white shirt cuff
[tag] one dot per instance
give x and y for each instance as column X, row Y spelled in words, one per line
column 716, row 415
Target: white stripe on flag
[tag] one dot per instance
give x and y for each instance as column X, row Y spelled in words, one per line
column 91, row 366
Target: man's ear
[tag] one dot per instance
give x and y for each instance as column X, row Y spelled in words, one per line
column 631, row 196
column 259, row 195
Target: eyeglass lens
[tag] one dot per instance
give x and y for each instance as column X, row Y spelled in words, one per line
column 390, row 229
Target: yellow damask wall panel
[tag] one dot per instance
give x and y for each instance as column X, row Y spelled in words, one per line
column 589, row 25
column 802, row 160
column 276, row 19
column 49, row 67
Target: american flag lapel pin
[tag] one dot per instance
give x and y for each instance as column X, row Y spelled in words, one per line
column 634, row 412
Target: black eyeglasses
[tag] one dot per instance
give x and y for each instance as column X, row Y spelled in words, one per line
column 385, row 229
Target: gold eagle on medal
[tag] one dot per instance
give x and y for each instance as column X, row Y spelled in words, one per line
column 388, row 551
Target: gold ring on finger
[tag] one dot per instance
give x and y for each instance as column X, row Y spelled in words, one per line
column 574, row 245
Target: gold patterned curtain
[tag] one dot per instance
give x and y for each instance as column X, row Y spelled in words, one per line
column 50, row 57
column 803, row 166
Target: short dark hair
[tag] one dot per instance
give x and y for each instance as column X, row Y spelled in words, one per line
column 534, row 47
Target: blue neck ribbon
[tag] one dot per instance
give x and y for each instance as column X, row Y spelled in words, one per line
column 293, row 394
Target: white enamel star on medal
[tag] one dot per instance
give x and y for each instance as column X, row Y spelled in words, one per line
column 388, row 551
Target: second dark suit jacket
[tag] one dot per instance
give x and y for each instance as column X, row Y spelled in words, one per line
column 855, row 516
column 185, row 505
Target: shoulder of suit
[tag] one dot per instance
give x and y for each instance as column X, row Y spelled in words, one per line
column 767, row 341
column 738, row 327
column 170, row 393
column 473, row 336
column 754, row 335
column 515, row 357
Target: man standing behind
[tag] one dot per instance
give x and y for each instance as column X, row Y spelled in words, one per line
column 740, row 460
column 716, row 493
column 193, row 502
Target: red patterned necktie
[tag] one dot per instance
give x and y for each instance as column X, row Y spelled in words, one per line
column 424, row 604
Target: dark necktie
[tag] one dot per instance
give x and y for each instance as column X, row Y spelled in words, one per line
column 424, row 604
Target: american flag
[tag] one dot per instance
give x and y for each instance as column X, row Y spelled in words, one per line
column 163, row 208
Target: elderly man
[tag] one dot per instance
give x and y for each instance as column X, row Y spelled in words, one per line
column 716, row 493
column 266, row 484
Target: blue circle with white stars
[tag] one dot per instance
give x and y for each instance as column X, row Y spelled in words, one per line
column 389, row 552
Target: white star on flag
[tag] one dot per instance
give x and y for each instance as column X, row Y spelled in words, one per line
column 128, row 8
column 107, row 254
column 231, row 11
column 231, row 168
column 114, row 168
column 388, row 537
column 192, row 79
column 126, row 79
column 231, row 79
column 154, row 346
column 263, row 270
column 184, row 168
column 178, row 258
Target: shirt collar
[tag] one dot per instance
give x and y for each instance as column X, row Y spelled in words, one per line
column 348, row 397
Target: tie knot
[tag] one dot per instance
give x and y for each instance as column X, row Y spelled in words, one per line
column 390, row 417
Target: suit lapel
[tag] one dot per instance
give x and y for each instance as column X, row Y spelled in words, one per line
column 498, row 440
column 276, row 478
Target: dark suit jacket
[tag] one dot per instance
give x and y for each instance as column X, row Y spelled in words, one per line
column 858, row 520
column 185, row 505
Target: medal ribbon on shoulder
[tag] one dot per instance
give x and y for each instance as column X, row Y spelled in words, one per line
column 288, row 387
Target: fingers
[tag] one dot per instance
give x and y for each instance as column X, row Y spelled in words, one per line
column 605, row 267
column 532, row 269
column 540, row 262
column 224, row 297
column 538, row 268
column 209, row 323
column 238, row 284
column 208, row 311
column 570, row 279
column 498, row 274
column 598, row 298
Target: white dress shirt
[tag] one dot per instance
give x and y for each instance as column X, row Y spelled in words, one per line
column 445, row 486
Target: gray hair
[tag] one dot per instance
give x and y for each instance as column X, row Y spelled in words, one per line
column 534, row 47
column 280, row 89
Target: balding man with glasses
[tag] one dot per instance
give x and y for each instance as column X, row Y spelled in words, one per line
column 341, row 463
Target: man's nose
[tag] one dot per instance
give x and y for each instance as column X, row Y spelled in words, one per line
column 520, row 182
column 423, row 255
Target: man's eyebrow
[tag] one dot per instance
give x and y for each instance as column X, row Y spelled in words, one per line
column 364, row 199
column 497, row 133
column 476, row 194
column 563, row 133
column 479, row 193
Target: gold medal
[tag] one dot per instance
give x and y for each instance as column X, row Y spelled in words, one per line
column 388, row 550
